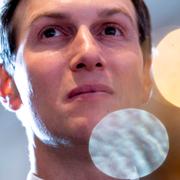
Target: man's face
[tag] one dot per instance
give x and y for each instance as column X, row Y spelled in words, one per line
column 77, row 61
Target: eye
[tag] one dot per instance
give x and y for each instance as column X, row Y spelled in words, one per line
column 51, row 32
column 112, row 30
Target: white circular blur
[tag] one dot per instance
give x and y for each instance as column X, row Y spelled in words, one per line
column 129, row 144
column 166, row 65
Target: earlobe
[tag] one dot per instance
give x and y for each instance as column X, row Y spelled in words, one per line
column 8, row 92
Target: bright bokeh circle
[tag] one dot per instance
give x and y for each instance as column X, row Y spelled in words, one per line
column 129, row 144
column 166, row 67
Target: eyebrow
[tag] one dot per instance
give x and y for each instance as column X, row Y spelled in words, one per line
column 54, row 15
column 105, row 13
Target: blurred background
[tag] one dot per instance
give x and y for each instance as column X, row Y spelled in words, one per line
column 164, row 103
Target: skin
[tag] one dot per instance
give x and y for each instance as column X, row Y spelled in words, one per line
column 78, row 54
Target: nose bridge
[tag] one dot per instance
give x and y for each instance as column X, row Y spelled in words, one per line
column 85, row 39
column 86, row 53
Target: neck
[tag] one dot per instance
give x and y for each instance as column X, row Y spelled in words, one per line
column 64, row 163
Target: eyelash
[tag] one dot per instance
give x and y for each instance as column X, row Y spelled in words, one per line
column 68, row 32
column 57, row 28
column 117, row 27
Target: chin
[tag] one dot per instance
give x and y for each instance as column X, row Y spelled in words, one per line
column 80, row 128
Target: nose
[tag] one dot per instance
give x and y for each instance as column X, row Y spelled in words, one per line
column 87, row 54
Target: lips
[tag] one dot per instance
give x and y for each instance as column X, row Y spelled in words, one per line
column 86, row 89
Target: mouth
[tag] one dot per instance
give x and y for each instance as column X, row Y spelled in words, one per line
column 89, row 89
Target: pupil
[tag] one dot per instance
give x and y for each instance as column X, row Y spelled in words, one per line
column 49, row 33
column 110, row 31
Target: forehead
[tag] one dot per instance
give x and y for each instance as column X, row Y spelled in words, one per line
column 32, row 8
column 33, row 4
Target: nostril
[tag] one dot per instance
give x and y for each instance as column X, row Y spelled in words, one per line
column 98, row 65
column 80, row 65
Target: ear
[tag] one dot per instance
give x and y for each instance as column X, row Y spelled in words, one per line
column 147, row 79
column 147, row 56
column 8, row 92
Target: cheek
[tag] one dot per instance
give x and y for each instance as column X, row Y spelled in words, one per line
column 127, row 72
column 126, row 60
column 128, row 65
column 44, row 74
